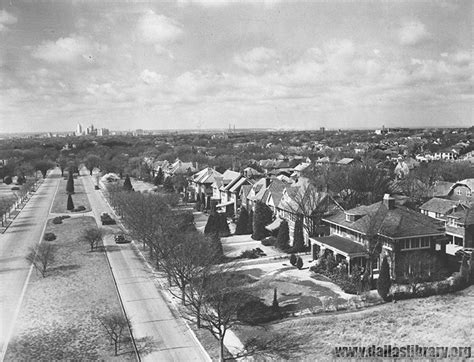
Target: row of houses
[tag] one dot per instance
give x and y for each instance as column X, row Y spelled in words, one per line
column 351, row 236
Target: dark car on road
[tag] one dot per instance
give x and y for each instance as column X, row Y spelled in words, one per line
column 107, row 219
column 121, row 239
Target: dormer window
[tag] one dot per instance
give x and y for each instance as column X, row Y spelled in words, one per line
column 350, row 217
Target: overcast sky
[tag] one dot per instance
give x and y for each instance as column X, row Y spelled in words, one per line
column 207, row 64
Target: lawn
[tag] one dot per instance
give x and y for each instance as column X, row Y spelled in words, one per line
column 434, row 321
column 79, row 197
column 58, row 315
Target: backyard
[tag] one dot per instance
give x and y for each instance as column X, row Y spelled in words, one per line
column 58, row 318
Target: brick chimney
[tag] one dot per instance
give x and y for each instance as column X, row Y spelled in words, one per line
column 267, row 181
column 389, row 201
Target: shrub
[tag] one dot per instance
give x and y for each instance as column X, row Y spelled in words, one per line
column 15, row 188
column 250, row 254
column 283, row 238
column 293, row 259
column 223, row 226
column 79, row 208
column 384, row 282
column 269, row 241
column 65, row 216
column 57, row 220
column 7, row 180
column 49, row 236
column 242, row 223
column 257, row 312
column 299, row 262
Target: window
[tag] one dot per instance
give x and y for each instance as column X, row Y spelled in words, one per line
column 415, row 243
column 459, row 192
column 468, row 193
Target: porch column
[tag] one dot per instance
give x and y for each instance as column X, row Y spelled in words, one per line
column 349, row 265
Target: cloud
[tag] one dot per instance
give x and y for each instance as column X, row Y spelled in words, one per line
column 223, row 3
column 66, row 50
column 149, row 77
column 412, row 33
column 158, row 29
column 257, row 59
column 6, row 19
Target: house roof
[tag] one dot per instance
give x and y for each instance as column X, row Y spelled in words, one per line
column 244, row 191
column 235, row 186
column 346, row 161
column 469, row 182
column 464, row 216
column 275, row 191
column 396, row 222
column 442, row 188
column 344, row 245
column 258, row 189
column 206, row 175
column 442, row 206
column 302, row 166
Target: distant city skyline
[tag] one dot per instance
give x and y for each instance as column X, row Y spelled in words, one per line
column 199, row 64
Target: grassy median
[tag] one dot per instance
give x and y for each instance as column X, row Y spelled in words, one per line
column 58, row 318
column 79, row 197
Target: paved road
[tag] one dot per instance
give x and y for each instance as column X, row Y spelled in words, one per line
column 150, row 313
column 25, row 231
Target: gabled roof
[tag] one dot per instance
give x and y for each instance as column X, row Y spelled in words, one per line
column 275, row 191
column 469, row 182
column 346, row 161
column 256, row 189
column 301, row 167
column 244, row 191
column 235, row 185
column 442, row 206
column 206, row 176
column 397, row 222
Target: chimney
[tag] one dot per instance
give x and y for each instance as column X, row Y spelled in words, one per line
column 389, row 201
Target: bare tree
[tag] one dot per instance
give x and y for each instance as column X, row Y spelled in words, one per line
column 92, row 236
column 116, row 325
column 41, row 256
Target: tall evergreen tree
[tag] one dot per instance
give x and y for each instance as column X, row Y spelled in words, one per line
column 158, row 180
column 283, row 238
column 298, row 236
column 275, row 305
column 70, row 204
column 127, row 184
column 70, row 184
column 384, row 282
column 223, row 227
column 168, row 184
column 250, row 224
column 242, row 223
column 261, row 218
column 212, row 226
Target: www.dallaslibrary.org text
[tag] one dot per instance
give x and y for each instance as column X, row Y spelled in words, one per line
column 407, row 351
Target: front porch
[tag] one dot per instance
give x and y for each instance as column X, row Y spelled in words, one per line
column 343, row 250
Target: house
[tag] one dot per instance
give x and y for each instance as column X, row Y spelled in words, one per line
column 256, row 192
column 462, row 191
column 179, row 168
column 200, row 185
column 438, row 208
column 226, row 191
column 447, row 155
column 304, row 201
column 460, row 228
column 383, row 229
column 347, row 161
column 299, row 169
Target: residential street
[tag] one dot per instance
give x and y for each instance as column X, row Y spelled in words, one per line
column 150, row 313
column 25, row 231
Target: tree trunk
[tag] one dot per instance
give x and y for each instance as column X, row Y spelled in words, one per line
column 221, row 349
column 90, row 172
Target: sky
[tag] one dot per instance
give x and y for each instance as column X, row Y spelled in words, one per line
column 200, row 64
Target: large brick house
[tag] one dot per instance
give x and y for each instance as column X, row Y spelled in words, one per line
column 383, row 229
column 200, row 185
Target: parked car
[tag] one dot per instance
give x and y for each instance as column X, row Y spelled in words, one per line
column 121, row 239
column 107, row 219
